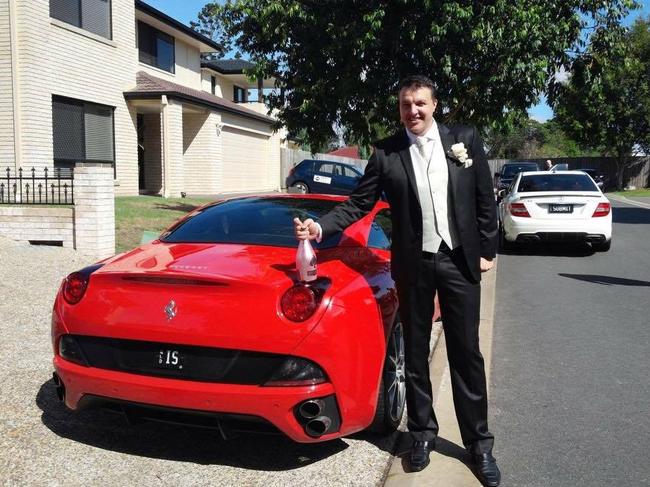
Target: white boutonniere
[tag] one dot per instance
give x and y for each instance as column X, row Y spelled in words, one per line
column 458, row 152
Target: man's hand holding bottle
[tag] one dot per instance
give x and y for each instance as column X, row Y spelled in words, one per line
column 307, row 230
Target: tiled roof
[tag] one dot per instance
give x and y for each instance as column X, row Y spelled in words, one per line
column 228, row 66
column 349, row 151
column 149, row 86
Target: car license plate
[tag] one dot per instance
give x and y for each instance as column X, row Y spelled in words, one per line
column 169, row 359
column 560, row 208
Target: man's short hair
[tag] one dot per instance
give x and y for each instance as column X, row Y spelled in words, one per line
column 417, row 81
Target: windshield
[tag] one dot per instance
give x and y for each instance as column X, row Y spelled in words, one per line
column 510, row 171
column 556, row 182
column 255, row 221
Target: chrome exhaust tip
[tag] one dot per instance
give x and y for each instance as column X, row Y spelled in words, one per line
column 311, row 408
column 318, row 426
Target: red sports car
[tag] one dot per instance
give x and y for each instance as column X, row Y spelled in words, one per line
column 210, row 325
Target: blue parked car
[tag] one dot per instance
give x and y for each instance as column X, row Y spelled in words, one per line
column 328, row 177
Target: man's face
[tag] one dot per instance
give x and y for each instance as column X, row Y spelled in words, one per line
column 416, row 107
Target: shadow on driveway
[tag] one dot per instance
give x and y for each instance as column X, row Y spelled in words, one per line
column 102, row 429
column 606, row 280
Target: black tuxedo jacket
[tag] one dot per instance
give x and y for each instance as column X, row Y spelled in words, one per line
column 390, row 170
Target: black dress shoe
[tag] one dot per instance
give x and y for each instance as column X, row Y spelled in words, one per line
column 419, row 455
column 487, row 470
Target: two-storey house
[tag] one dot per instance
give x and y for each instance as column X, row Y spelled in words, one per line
column 119, row 82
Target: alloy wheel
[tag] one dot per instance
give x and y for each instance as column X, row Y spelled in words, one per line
column 395, row 378
column 301, row 188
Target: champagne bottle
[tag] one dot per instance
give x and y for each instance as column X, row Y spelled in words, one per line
column 306, row 261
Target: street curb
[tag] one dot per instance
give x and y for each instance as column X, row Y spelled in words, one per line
column 449, row 472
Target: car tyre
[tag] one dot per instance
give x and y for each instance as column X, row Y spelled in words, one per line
column 391, row 401
column 504, row 244
column 300, row 187
column 602, row 247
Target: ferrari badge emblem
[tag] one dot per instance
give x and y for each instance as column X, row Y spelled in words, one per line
column 170, row 310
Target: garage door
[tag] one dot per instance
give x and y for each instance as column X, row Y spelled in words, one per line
column 246, row 162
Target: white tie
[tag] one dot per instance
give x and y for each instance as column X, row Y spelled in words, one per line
column 421, row 143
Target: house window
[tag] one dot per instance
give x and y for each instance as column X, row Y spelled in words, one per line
column 213, row 84
column 155, row 47
column 239, row 94
column 91, row 15
column 81, row 132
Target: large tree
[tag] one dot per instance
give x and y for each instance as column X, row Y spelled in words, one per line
column 606, row 101
column 338, row 61
column 532, row 139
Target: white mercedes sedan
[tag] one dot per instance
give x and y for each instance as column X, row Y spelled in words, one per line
column 554, row 207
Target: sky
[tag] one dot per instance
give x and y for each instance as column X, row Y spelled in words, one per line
column 187, row 10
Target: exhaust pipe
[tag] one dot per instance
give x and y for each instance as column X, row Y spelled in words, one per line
column 60, row 387
column 312, row 408
column 318, row 426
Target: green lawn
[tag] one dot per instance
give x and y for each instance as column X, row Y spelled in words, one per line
column 135, row 214
column 636, row 192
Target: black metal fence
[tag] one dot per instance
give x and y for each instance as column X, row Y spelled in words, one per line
column 53, row 187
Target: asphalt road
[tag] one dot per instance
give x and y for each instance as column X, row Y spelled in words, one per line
column 570, row 384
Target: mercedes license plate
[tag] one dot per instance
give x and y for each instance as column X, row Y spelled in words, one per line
column 560, row 208
column 169, row 359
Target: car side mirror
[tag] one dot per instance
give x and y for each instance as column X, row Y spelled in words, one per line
column 501, row 193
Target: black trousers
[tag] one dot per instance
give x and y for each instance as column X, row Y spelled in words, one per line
column 446, row 273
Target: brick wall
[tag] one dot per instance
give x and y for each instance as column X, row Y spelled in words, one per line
column 38, row 224
column 55, row 58
column 202, row 168
column 89, row 226
column 6, row 88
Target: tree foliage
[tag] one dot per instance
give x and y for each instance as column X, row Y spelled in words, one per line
column 339, row 61
column 606, row 102
column 535, row 140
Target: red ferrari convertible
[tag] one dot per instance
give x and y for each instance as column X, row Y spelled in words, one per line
column 209, row 325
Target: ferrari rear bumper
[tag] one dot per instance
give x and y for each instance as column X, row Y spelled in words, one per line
column 81, row 387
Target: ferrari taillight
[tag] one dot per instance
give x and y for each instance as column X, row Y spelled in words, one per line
column 519, row 209
column 602, row 209
column 298, row 303
column 74, row 287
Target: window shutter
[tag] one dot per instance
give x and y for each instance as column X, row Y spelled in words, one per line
column 66, row 11
column 146, row 44
column 96, row 17
column 67, row 130
column 99, row 133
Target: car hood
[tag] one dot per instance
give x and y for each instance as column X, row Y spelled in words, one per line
column 220, row 295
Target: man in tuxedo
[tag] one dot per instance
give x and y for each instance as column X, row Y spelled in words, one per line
column 438, row 183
